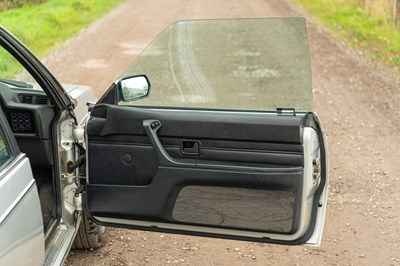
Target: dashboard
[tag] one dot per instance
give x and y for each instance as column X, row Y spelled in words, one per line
column 30, row 115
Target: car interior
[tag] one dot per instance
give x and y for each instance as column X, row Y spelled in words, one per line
column 30, row 115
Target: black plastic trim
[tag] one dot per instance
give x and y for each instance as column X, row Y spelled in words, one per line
column 108, row 120
column 101, row 117
column 105, row 201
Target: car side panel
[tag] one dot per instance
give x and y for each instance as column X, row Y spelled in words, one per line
column 21, row 225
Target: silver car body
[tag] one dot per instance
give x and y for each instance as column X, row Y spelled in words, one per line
column 21, row 226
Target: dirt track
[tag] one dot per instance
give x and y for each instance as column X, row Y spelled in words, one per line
column 357, row 100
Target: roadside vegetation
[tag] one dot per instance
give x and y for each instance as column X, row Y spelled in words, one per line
column 9, row 4
column 367, row 24
column 43, row 25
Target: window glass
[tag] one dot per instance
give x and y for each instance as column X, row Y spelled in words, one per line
column 11, row 69
column 19, row 94
column 4, row 151
column 241, row 64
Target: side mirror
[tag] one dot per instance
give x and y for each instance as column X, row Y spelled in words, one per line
column 133, row 88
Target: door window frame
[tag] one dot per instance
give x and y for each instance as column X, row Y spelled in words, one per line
column 10, row 142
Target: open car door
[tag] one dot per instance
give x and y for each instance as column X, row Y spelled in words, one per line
column 225, row 145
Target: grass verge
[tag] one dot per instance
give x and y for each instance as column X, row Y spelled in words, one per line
column 43, row 27
column 9, row 4
column 377, row 35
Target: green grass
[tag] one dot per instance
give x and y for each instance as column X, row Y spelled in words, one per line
column 377, row 35
column 9, row 4
column 42, row 27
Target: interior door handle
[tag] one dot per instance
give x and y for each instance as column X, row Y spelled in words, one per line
column 164, row 159
column 191, row 147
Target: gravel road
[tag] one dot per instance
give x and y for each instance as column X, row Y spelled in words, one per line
column 357, row 100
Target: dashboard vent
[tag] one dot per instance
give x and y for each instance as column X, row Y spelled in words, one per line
column 33, row 99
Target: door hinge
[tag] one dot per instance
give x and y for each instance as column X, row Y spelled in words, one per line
column 78, row 201
column 286, row 111
column 78, row 198
column 78, row 133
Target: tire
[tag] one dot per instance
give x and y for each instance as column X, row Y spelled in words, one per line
column 90, row 235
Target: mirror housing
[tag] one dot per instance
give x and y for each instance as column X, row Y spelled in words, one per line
column 133, row 88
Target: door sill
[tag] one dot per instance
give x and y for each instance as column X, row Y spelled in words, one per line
column 58, row 244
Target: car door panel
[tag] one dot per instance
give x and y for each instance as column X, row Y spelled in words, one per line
column 130, row 140
column 248, row 175
column 190, row 123
column 20, row 199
